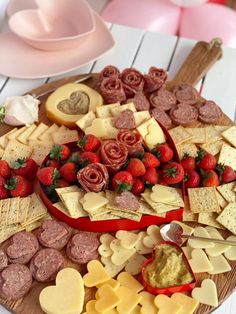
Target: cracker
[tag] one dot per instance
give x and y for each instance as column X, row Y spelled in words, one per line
column 189, row 216
column 221, row 128
column 8, row 231
column 13, row 136
column 107, row 216
column 180, row 135
column 209, row 219
column 227, row 191
column 41, row 128
column 4, row 140
column 13, row 212
column 65, row 137
column 40, row 151
column 212, row 134
column 71, row 202
column 37, row 208
column 189, row 148
column 23, row 137
column 227, row 156
column 47, row 134
column 220, row 199
column 228, row 217
column 230, row 135
column 213, row 148
column 60, row 206
column 15, row 150
column 203, row 200
column 23, row 209
column 71, row 188
column 1, row 152
column 5, row 205
column 158, row 207
column 145, row 209
column 86, row 120
column 198, row 135
column 127, row 214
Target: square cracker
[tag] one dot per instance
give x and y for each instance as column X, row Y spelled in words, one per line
column 13, row 212
column 227, row 191
column 37, row 208
column 203, row 199
column 145, row 209
column 65, row 137
column 8, row 231
column 188, row 148
column 227, row 156
column 228, row 217
column 23, row 209
column 23, row 137
column 40, row 151
column 15, row 150
column 212, row 134
column 127, row 214
column 230, row 135
column 213, row 148
column 180, row 135
column 3, row 138
column 209, row 219
column 221, row 200
column 40, row 129
column 13, row 136
column 5, row 205
column 158, row 207
column 72, row 203
column 198, row 135
column 71, row 188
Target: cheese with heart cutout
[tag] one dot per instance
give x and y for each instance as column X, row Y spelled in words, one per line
column 207, row 294
column 67, row 296
column 103, row 128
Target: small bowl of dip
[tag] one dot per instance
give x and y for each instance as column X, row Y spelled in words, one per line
column 168, row 270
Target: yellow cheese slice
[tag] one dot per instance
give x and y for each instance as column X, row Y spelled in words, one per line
column 147, row 302
column 90, row 309
column 166, row 306
column 200, row 244
column 23, row 137
column 128, row 281
column 141, row 116
column 93, row 201
column 199, row 262
column 111, row 282
column 129, row 300
column 189, row 305
column 103, row 128
column 96, row 274
column 167, row 195
column 120, row 254
column 108, row 299
column 72, row 203
column 85, row 121
column 219, row 264
column 187, row 251
column 218, row 248
column 231, row 253
column 207, row 294
column 117, row 110
column 128, row 239
column 41, row 128
column 105, row 111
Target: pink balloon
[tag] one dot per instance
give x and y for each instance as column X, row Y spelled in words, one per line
column 151, row 15
column 208, row 21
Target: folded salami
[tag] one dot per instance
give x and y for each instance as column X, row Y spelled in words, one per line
column 109, row 71
column 155, row 79
column 132, row 140
column 93, row 178
column 186, row 94
column 162, row 117
column 184, row 114
column 209, row 112
column 140, row 101
column 113, row 155
column 112, row 90
column 132, row 81
column 162, row 99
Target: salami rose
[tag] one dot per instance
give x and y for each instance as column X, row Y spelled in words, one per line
column 186, row 94
column 113, row 155
column 183, row 114
column 209, row 112
column 112, row 90
column 109, row 71
column 140, row 101
column 132, row 140
column 132, row 81
column 162, row 99
column 155, row 79
column 93, row 178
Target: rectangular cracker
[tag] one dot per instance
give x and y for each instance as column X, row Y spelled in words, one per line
column 221, row 200
column 188, row 148
column 4, row 140
column 213, row 148
column 71, row 202
column 47, row 134
column 198, row 135
column 37, row 208
column 15, row 150
column 227, row 191
column 127, row 215
column 40, row 151
column 107, row 216
column 72, row 188
column 60, row 206
column 40, row 129
column 14, row 135
column 212, row 134
column 230, row 135
column 13, row 212
column 145, row 209
column 5, row 205
column 65, row 137
column 23, row 137
column 23, row 209
column 180, row 135
column 227, row 156
column 203, row 199
column 209, row 219
column 227, row 218
column 8, row 231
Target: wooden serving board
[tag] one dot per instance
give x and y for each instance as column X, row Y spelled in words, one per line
column 190, row 72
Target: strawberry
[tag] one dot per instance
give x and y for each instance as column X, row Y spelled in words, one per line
column 3, row 193
column 188, row 162
column 26, row 167
column 19, row 186
column 48, row 175
column 172, row 173
column 53, row 163
column 60, row 152
column 191, row 179
column 205, row 161
column 2, row 181
column 138, row 186
column 89, row 158
column 136, row 167
column 62, row 183
column 89, row 142
column 150, row 161
column 150, row 177
column 163, row 152
column 122, row 181
column 226, row 173
column 5, row 170
column 209, row 178
column 69, row 171
column 58, row 184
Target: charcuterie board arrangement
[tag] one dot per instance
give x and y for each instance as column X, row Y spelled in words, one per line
column 107, row 186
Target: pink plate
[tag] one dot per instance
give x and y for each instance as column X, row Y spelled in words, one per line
column 19, row 60
column 18, row 5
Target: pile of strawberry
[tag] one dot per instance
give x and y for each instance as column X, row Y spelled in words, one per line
column 17, row 180
column 205, row 171
column 145, row 170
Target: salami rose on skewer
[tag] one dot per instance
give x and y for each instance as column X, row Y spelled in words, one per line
column 155, row 79
column 132, row 140
column 112, row 90
column 132, row 81
column 109, row 71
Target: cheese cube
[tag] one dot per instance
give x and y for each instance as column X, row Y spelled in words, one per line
column 86, row 120
column 105, row 110
column 117, row 110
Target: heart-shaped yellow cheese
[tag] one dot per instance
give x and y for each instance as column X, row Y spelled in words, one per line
column 96, row 274
column 199, row 262
column 147, row 303
column 207, row 294
column 93, row 201
column 67, row 296
column 108, row 299
column 166, row 306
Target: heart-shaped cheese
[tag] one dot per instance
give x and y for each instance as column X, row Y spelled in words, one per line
column 153, row 236
column 161, row 194
column 199, row 262
column 189, row 305
column 165, row 305
column 96, row 274
column 127, row 239
column 67, row 296
column 104, row 249
column 128, row 281
column 120, row 254
column 200, row 244
column 90, row 308
column 231, row 253
column 218, row 248
column 129, row 300
column 108, row 299
column 147, row 303
column 93, row 201
column 207, row 294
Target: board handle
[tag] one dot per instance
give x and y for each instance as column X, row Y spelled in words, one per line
column 202, row 57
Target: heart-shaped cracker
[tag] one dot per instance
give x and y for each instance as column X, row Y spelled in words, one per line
column 104, row 249
column 67, row 296
column 120, row 254
column 125, row 120
column 153, row 236
column 96, row 274
column 165, row 305
column 127, row 239
column 93, row 201
column 231, row 253
column 108, row 299
column 140, row 247
column 110, row 267
column 199, row 262
column 147, row 303
column 207, row 294
column 129, row 300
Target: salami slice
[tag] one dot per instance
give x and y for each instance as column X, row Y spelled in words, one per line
column 45, row 264
column 140, row 101
column 22, row 247
column 83, row 247
column 3, row 260
column 209, row 112
column 113, row 155
column 186, row 94
column 155, row 79
column 125, row 120
column 162, row 117
column 109, row 71
column 127, row 200
column 133, row 142
column 183, row 114
column 15, row 281
column 54, row 234
column 93, row 178
column 162, row 99
column 132, row 81
column 112, row 90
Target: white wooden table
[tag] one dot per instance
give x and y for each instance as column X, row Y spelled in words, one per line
column 140, row 49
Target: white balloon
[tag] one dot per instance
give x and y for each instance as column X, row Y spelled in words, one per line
column 188, row 3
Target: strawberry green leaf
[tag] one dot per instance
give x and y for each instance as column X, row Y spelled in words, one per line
column 56, row 151
column 19, row 163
